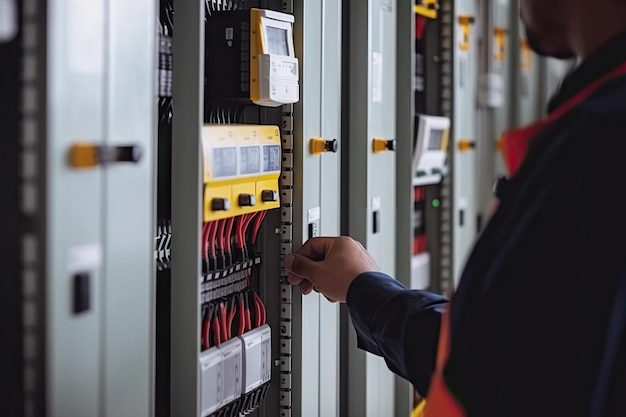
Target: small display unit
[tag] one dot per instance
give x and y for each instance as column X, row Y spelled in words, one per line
column 250, row 58
column 430, row 149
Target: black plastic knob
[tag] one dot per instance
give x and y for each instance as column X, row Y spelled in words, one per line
column 220, row 204
column 132, row 153
column 331, row 145
column 110, row 154
column 269, row 195
column 247, row 200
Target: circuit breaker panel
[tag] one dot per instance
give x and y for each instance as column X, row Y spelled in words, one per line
column 240, row 186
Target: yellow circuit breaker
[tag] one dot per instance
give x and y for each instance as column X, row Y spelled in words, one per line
column 241, row 166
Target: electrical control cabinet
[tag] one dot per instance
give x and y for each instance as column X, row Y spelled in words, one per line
column 498, row 73
column 251, row 97
column 370, row 186
column 86, row 208
column 464, row 138
column 310, row 203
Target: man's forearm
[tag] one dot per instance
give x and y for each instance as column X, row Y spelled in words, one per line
column 399, row 324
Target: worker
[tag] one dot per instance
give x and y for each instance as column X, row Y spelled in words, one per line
column 536, row 325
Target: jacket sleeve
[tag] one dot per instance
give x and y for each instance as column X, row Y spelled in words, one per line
column 399, row 324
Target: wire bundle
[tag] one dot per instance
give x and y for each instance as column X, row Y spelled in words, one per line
column 213, row 6
column 231, row 317
column 231, row 240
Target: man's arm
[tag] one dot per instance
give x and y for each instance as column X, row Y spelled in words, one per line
column 391, row 321
column 399, row 324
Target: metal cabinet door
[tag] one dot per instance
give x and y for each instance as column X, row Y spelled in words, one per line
column 129, row 212
column 371, row 182
column 315, row 343
column 464, row 129
column 75, row 112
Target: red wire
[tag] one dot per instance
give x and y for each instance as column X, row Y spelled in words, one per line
column 223, row 320
column 242, row 316
column 206, row 331
column 248, row 321
column 262, row 309
column 257, row 226
column 216, row 330
column 228, row 232
column 220, row 234
column 231, row 317
column 212, row 236
column 205, row 239
column 240, row 230
column 245, row 227
column 257, row 309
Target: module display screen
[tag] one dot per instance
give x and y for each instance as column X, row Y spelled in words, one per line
column 250, row 160
column 271, row 158
column 434, row 143
column 224, row 162
column 277, row 41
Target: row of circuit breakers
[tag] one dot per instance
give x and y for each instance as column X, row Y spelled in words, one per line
column 241, row 169
column 242, row 165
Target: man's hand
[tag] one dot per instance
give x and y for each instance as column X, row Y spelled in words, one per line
column 328, row 265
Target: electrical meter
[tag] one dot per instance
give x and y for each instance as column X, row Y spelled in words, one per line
column 250, row 58
column 430, row 148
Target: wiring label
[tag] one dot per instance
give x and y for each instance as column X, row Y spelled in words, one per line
column 84, row 258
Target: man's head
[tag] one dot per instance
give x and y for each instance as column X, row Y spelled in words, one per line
column 546, row 23
column 569, row 28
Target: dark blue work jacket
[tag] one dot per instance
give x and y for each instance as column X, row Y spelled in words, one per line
column 529, row 317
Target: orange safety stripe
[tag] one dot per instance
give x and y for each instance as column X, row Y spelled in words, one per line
column 515, row 143
column 440, row 402
column 514, row 146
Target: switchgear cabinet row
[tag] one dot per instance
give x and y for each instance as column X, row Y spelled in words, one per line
column 162, row 157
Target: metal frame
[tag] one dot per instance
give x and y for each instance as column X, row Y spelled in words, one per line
column 11, row 288
column 405, row 128
column 444, row 278
column 188, row 85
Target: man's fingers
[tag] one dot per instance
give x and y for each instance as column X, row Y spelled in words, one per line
column 306, row 287
column 294, row 280
column 315, row 248
column 300, row 266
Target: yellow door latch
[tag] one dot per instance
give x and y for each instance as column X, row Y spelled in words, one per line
column 465, row 145
column 85, row 155
column 465, row 21
column 499, row 34
column 321, row 145
column 383, row 145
